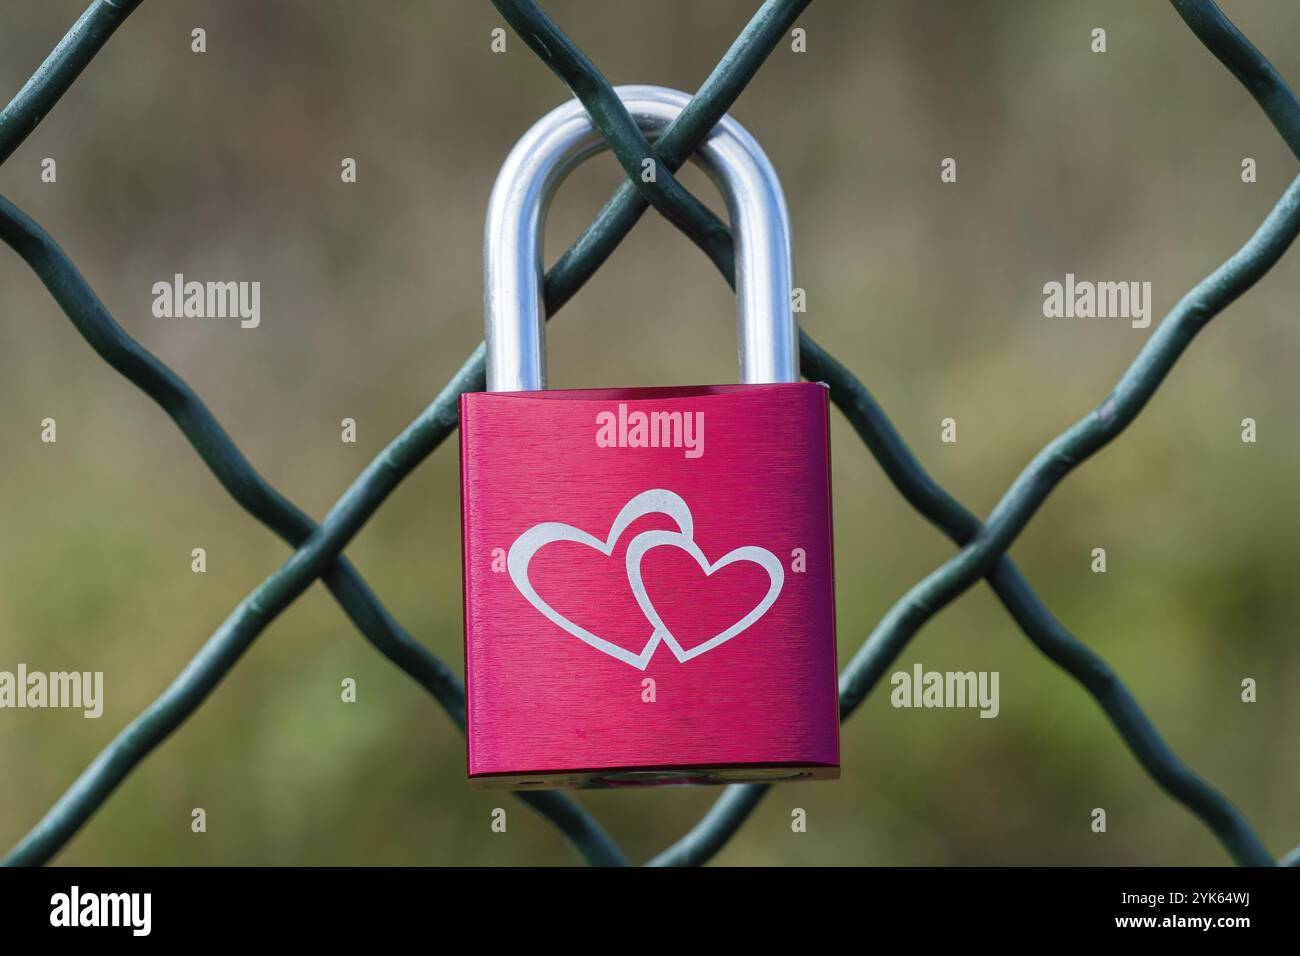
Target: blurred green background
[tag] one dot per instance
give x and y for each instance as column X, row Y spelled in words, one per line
column 1122, row 166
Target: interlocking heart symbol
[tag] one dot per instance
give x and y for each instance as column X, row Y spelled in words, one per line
column 655, row 501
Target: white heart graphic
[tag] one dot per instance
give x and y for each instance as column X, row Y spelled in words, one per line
column 655, row 501
column 657, row 539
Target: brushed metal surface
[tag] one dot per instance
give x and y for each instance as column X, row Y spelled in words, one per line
column 546, row 708
column 514, row 310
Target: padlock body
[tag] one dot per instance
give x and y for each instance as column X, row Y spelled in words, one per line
column 649, row 591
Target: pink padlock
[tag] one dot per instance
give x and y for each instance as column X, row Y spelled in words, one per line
column 649, row 592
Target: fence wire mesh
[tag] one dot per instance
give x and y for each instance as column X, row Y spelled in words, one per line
column 319, row 547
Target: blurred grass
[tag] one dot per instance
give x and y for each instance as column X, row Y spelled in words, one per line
column 225, row 165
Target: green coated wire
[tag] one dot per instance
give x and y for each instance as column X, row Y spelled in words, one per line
column 1222, row 38
column 59, row 70
column 679, row 139
column 625, row 138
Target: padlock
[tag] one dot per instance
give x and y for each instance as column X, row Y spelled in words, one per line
column 648, row 574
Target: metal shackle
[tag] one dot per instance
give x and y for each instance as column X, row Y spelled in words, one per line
column 514, row 303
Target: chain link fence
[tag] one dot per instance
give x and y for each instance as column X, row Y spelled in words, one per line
column 318, row 548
